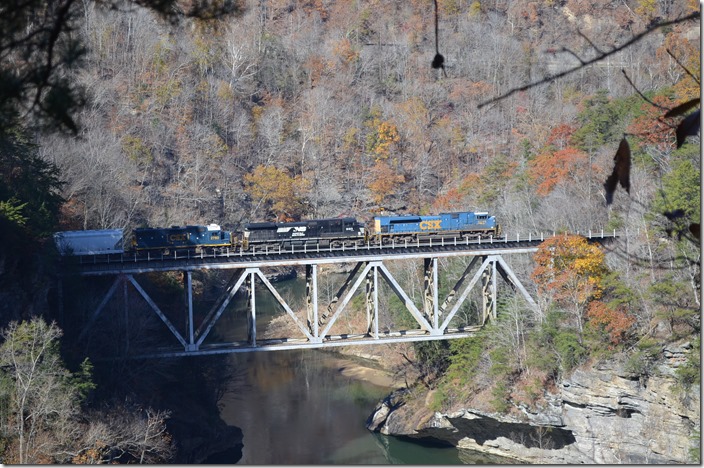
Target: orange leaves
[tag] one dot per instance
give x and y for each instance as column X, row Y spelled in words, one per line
column 552, row 168
column 570, row 267
column 316, row 66
column 616, row 322
column 283, row 195
column 652, row 128
column 449, row 201
column 686, row 52
column 345, row 51
column 465, row 90
column 386, row 135
column 384, row 182
column 560, row 136
column 383, row 134
column 470, row 183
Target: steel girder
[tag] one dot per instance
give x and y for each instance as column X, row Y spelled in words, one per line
column 433, row 318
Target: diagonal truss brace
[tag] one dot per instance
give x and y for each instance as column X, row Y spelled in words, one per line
column 496, row 264
column 391, row 281
column 406, row 300
column 510, row 277
column 214, row 315
column 219, row 308
column 349, row 294
column 119, row 279
column 158, row 311
column 123, row 279
column 491, row 266
column 340, row 292
column 283, row 303
column 464, row 294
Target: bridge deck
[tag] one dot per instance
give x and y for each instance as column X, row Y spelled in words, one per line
column 133, row 262
column 315, row 328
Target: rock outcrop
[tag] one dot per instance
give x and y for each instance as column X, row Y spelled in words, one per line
column 599, row 414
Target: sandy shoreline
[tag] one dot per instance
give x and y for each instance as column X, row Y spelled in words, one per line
column 355, row 370
column 347, row 366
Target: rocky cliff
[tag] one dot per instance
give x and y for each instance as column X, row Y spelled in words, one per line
column 598, row 414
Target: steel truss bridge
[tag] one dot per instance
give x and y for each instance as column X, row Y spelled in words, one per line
column 315, row 327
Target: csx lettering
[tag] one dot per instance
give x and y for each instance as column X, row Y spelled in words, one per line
column 430, row 225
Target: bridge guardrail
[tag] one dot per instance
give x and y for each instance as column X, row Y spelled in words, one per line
column 332, row 252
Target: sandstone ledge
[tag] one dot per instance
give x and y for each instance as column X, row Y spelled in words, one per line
column 599, row 414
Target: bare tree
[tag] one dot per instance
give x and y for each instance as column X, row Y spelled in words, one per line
column 125, row 433
column 597, row 56
column 40, row 404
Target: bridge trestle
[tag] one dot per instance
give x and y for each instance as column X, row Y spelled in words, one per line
column 316, row 329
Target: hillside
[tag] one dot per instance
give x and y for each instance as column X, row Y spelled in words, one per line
column 290, row 110
column 313, row 109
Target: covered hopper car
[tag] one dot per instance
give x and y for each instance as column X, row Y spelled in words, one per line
column 90, row 242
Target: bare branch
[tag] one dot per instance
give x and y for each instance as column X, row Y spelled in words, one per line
column 573, row 54
column 583, row 36
column 641, row 94
column 613, row 51
column 682, row 66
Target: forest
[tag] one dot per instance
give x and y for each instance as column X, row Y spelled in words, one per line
column 132, row 114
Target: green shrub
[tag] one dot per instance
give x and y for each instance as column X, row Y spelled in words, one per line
column 438, row 399
column 690, row 373
column 500, row 397
column 465, row 355
column 570, row 351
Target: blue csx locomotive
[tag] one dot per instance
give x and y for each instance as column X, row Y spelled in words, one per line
column 323, row 233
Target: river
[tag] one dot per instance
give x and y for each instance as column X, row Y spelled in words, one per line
column 296, row 407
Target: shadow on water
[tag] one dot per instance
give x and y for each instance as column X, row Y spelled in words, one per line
column 296, row 407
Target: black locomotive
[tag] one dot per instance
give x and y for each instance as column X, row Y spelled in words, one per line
column 334, row 232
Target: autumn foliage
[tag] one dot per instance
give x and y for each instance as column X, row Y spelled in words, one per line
column 381, row 137
column 554, row 167
column 279, row 193
column 570, row 267
column 384, row 183
column 652, row 128
column 615, row 321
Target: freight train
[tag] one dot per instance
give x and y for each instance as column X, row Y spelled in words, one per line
column 315, row 233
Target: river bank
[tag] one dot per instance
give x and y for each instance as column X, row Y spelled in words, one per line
column 355, row 368
column 599, row 414
column 311, row 407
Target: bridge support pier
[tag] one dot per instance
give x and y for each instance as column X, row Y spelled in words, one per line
column 312, row 299
column 489, row 291
column 430, row 291
column 188, row 290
